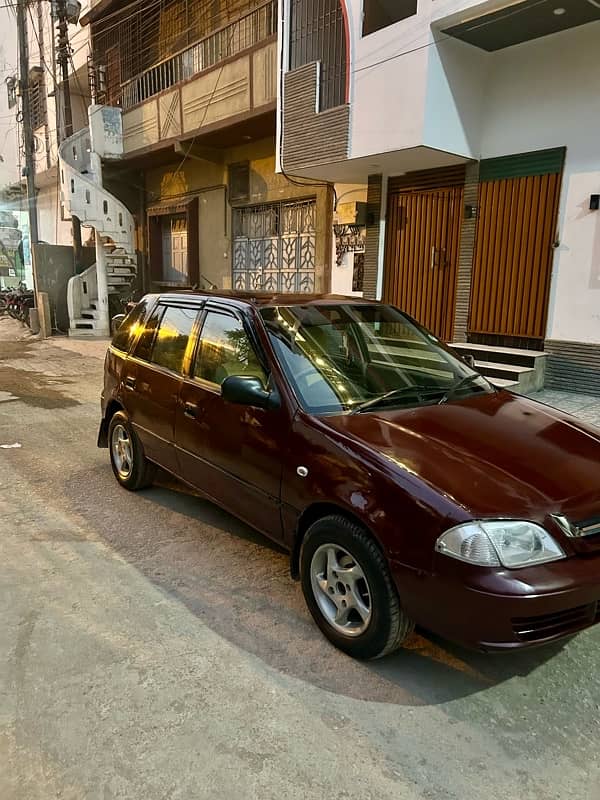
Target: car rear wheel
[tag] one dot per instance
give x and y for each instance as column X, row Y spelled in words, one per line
column 130, row 466
column 349, row 590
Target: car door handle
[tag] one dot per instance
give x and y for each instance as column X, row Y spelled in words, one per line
column 190, row 410
column 129, row 382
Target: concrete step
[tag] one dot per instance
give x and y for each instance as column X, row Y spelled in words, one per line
column 494, row 370
column 500, row 355
column 89, row 313
column 119, row 269
column 501, row 383
column 119, row 280
column 83, row 323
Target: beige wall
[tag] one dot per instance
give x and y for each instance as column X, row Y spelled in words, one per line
column 208, row 181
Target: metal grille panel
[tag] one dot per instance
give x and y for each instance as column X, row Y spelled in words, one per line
column 318, row 33
column 274, row 247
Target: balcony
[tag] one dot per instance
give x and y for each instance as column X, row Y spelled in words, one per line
column 221, row 79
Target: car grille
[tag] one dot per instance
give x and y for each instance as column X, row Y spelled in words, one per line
column 531, row 629
column 589, row 527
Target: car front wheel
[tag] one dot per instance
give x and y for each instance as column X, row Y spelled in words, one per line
column 349, row 590
column 130, row 466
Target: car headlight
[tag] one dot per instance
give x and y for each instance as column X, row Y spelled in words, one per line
column 495, row 543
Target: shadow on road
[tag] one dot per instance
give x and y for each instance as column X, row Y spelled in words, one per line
column 237, row 582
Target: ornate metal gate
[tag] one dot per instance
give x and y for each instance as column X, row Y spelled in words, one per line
column 274, row 247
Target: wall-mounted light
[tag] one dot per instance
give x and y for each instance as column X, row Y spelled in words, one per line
column 594, row 202
column 470, row 211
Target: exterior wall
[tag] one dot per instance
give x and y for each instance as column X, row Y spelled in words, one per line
column 535, row 100
column 311, row 137
column 342, row 274
column 241, row 86
column 208, row 181
column 457, row 79
column 375, row 220
column 465, row 256
column 387, row 113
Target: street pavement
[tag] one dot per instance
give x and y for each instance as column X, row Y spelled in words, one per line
column 153, row 647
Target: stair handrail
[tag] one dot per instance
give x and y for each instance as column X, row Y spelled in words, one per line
column 81, row 289
column 83, row 197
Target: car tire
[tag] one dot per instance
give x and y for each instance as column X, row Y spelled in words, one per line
column 129, row 464
column 339, row 603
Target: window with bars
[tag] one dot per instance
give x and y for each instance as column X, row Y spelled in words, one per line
column 37, row 98
column 274, row 247
column 318, row 33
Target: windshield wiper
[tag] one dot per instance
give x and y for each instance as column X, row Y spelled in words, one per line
column 461, row 384
column 394, row 394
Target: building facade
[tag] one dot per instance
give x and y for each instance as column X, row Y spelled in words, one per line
column 470, row 125
column 197, row 86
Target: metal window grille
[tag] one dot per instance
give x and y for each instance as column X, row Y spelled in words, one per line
column 274, row 247
column 162, row 42
column 318, row 33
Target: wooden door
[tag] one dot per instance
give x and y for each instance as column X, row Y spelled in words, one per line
column 421, row 255
column 512, row 263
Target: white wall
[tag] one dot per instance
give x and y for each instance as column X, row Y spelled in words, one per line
column 545, row 94
column 387, row 113
column 9, row 169
column 456, row 83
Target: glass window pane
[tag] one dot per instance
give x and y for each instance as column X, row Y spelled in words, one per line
column 143, row 347
column 130, row 327
column 379, row 14
column 225, row 350
column 172, row 338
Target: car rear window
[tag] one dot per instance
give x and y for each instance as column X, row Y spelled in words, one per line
column 130, row 327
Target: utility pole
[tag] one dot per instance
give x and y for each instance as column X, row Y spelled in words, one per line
column 27, row 132
column 63, row 53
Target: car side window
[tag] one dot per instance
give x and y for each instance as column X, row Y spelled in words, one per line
column 224, row 350
column 172, row 338
column 130, row 327
column 143, row 348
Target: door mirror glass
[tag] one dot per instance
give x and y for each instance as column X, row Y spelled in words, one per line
column 246, row 391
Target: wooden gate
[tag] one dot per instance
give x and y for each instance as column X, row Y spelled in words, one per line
column 516, row 231
column 422, row 241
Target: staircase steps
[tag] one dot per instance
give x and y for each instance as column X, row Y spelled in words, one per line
column 509, row 368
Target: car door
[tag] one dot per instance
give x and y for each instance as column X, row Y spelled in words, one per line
column 231, row 453
column 152, row 379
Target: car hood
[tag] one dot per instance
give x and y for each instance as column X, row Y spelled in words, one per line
column 494, row 455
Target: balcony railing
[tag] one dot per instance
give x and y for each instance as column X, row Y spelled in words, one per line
column 245, row 32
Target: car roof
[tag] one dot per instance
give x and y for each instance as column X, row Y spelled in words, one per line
column 262, row 299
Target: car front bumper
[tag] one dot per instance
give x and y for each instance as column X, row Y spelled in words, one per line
column 501, row 609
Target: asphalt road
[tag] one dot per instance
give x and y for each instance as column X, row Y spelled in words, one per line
column 153, row 647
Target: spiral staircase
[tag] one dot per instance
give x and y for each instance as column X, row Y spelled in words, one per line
column 90, row 293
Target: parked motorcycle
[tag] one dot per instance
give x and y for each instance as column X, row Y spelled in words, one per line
column 19, row 301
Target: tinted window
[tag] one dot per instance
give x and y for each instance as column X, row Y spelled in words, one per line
column 225, row 350
column 172, row 337
column 130, row 327
column 143, row 347
column 379, row 14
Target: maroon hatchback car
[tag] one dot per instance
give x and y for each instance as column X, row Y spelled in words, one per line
column 407, row 489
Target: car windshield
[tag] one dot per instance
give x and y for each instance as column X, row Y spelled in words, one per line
column 358, row 357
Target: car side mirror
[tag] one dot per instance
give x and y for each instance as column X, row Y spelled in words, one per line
column 244, row 390
column 116, row 322
column 470, row 360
